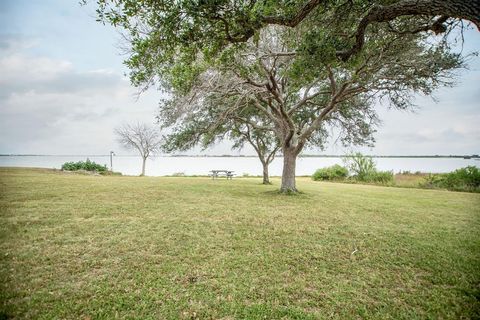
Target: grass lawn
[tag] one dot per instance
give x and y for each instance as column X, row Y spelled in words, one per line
column 88, row 247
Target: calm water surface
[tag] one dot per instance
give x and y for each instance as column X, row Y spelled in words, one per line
column 160, row 166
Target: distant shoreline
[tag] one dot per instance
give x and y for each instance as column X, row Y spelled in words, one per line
column 475, row 156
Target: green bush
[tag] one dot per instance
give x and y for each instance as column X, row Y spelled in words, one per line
column 363, row 169
column 464, row 179
column 84, row 165
column 178, row 174
column 379, row 177
column 335, row 172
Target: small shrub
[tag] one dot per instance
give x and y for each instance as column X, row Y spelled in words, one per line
column 363, row 169
column 432, row 181
column 84, row 165
column 464, row 179
column 178, row 174
column 335, row 172
column 360, row 166
column 380, row 177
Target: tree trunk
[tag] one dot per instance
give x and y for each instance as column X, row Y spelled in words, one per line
column 266, row 179
column 143, row 166
column 288, row 175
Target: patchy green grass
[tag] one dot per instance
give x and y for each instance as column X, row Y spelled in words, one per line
column 94, row 247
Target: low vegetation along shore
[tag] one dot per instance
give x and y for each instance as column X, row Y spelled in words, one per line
column 103, row 247
column 362, row 169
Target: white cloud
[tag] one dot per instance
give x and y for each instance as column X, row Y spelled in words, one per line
column 46, row 106
column 16, row 66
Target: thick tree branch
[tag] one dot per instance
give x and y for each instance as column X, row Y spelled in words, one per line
column 305, row 99
column 459, row 9
column 437, row 27
column 325, row 112
column 297, row 18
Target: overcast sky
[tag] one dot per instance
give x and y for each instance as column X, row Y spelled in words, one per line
column 63, row 90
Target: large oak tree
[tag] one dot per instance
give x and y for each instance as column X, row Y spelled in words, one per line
column 329, row 63
column 301, row 100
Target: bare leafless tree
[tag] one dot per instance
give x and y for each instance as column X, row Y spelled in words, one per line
column 145, row 139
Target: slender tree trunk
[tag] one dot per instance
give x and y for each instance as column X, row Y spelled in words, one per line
column 266, row 179
column 143, row 166
column 288, row 175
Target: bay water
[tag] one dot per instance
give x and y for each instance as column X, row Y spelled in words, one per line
column 198, row 165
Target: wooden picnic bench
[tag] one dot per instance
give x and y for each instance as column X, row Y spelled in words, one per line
column 222, row 173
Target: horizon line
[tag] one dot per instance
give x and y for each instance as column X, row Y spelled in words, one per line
column 247, row 155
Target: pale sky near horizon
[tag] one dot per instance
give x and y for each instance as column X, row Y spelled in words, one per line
column 63, row 89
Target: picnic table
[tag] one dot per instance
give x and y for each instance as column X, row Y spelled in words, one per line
column 222, row 173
